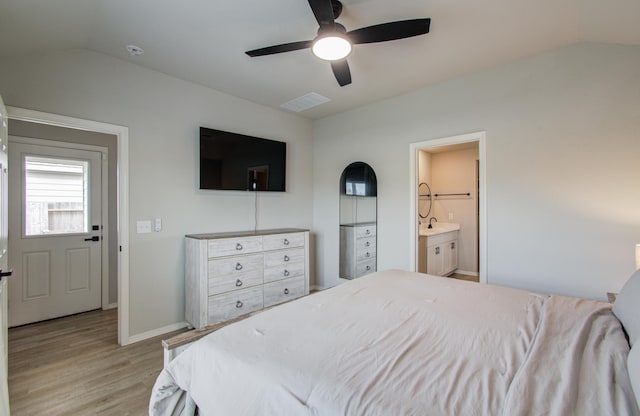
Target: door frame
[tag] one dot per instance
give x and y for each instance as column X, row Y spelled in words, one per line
column 414, row 148
column 122, row 172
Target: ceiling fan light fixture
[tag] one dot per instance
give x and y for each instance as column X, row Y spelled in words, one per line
column 331, row 47
column 333, row 42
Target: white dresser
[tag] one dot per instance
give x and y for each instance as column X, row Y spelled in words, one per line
column 231, row 274
column 358, row 248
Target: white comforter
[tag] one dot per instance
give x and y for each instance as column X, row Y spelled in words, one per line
column 400, row 343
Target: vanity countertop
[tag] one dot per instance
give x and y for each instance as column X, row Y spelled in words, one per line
column 437, row 228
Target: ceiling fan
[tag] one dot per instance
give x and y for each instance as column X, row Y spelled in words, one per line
column 333, row 43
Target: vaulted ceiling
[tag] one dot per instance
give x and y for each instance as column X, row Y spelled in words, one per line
column 204, row 40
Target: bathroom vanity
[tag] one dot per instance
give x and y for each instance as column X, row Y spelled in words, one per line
column 438, row 249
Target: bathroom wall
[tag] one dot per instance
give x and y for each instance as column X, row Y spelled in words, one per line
column 455, row 172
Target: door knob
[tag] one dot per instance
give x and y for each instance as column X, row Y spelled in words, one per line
column 94, row 238
column 5, row 274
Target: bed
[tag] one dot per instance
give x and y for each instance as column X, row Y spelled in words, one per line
column 403, row 343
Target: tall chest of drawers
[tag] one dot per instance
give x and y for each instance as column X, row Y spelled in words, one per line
column 358, row 246
column 231, row 274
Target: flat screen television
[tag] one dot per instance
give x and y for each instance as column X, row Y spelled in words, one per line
column 235, row 162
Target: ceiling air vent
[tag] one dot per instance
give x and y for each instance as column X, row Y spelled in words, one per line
column 305, row 102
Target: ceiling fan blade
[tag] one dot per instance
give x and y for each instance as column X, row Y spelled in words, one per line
column 342, row 72
column 285, row 47
column 323, row 11
column 390, row 31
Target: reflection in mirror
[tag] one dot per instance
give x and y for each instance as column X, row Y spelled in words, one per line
column 358, row 220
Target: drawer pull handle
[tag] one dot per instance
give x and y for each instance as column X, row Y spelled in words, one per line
column 238, row 266
column 286, row 291
column 367, row 244
column 286, row 258
column 239, row 247
column 453, row 245
column 238, row 283
column 368, row 232
column 286, row 242
column 368, row 268
column 286, row 273
column 368, row 254
column 239, row 304
column 437, row 250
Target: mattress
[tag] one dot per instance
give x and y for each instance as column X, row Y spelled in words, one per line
column 402, row 343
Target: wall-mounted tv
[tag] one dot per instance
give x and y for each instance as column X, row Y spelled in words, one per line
column 235, row 162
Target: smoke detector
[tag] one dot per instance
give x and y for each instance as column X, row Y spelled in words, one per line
column 134, row 50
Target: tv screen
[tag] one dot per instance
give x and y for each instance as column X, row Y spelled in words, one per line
column 235, row 162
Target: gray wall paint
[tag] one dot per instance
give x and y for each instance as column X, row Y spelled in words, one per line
column 562, row 167
column 163, row 115
column 562, row 171
column 46, row 132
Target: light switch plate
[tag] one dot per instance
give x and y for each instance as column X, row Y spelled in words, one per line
column 143, row 227
column 157, row 225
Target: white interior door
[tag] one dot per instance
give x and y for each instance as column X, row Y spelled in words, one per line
column 56, row 233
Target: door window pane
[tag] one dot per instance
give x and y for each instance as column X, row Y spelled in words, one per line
column 55, row 196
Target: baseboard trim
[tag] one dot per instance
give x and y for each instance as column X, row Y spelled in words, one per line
column 156, row 332
column 110, row 306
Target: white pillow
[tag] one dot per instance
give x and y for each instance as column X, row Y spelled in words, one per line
column 633, row 366
column 627, row 307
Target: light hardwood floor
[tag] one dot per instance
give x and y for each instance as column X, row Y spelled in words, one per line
column 465, row 277
column 74, row 366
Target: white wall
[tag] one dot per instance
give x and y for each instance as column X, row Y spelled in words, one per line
column 562, row 150
column 163, row 115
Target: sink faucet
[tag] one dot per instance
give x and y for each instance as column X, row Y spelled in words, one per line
column 430, row 219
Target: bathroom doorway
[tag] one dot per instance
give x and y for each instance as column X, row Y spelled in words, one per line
column 448, row 193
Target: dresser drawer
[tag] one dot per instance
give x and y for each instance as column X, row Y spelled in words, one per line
column 364, row 231
column 365, row 254
column 234, row 265
column 221, row 247
column 365, row 267
column 237, row 281
column 271, row 274
column 364, row 244
column 283, row 257
column 233, row 304
column 281, row 241
column 283, row 290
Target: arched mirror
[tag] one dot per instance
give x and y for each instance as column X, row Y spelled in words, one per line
column 358, row 220
column 424, row 200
